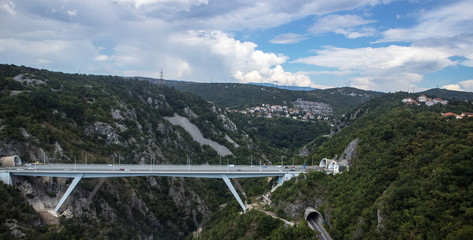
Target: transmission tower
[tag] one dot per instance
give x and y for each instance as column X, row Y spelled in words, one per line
column 161, row 79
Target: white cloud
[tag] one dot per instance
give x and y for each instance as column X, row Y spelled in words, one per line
column 288, row 38
column 446, row 21
column 386, row 68
column 453, row 87
column 466, row 85
column 72, row 13
column 101, row 58
column 7, row 6
column 348, row 25
column 139, row 37
column 234, row 59
column 50, row 54
column 176, row 5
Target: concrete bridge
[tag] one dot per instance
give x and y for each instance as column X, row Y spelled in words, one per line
column 79, row 171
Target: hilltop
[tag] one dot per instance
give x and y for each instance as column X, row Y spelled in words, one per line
column 241, row 96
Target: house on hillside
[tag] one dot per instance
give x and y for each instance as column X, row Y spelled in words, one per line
column 449, row 114
column 429, row 102
column 407, row 100
column 466, row 115
column 422, row 98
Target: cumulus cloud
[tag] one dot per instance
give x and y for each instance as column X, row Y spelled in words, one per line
column 239, row 60
column 385, row 68
column 192, row 40
column 452, row 87
column 466, row 85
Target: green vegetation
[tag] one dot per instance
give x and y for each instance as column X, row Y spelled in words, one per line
column 234, row 95
column 412, row 178
column 16, row 213
column 284, row 134
column 228, row 223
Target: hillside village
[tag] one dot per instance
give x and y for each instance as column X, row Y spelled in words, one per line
column 424, row 99
column 430, row 102
column 302, row 110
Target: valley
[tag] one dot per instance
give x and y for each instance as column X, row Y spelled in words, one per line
column 407, row 167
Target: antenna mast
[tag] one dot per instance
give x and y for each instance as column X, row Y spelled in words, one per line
column 161, row 79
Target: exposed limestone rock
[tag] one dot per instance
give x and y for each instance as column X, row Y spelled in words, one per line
column 106, row 131
column 228, row 124
column 380, row 224
column 190, row 113
column 196, row 134
column 319, row 108
column 29, row 81
column 230, row 140
column 349, row 154
column 58, row 149
column 116, row 114
column 304, row 152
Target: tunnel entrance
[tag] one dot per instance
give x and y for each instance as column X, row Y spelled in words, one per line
column 316, row 216
column 315, row 221
column 311, row 213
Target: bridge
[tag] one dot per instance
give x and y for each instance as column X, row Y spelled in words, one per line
column 79, row 171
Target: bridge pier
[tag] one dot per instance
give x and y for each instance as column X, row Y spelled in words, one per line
column 232, row 189
column 6, row 178
column 71, row 187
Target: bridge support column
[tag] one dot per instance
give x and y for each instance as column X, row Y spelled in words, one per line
column 232, row 189
column 5, row 177
column 74, row 183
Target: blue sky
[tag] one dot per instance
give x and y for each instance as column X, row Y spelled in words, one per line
column 384, row 45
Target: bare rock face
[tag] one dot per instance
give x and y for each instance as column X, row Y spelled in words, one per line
column 228, row 124
column 105, row 131
column 349, row 154
column 190, row 113
column 196, row 134
column 319, row 108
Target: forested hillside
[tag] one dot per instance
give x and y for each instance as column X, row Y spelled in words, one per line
column 411, row 178
column 53, row 117
column 234, row 95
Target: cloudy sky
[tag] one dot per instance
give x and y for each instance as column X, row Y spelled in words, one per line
column 386, row 45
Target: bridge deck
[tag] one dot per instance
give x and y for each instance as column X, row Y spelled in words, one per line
column 79, row 171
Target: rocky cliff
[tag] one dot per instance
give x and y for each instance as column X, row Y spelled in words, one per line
column 55, row 117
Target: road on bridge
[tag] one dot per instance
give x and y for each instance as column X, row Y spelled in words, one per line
column 128, row 168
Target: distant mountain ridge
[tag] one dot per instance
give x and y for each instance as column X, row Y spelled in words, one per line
column 240, row 96
column 292, row 88
column 448, row 94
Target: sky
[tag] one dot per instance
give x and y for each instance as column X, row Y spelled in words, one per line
column 382, row 45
